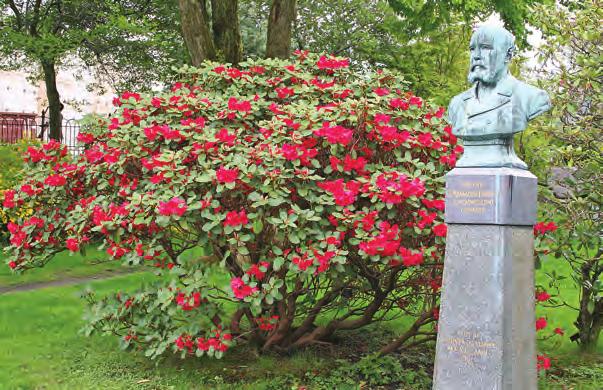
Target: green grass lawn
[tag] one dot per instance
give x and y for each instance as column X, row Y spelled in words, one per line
column 63, row 265
column 40, row 348
column 569, row 365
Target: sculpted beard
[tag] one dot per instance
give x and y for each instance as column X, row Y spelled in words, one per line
column 482, row 75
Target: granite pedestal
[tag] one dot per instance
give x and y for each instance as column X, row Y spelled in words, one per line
column 486, row 331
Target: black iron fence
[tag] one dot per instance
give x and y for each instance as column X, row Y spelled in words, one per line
column 16, row 127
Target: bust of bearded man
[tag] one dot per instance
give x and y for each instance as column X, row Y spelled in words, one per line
column 498, row 105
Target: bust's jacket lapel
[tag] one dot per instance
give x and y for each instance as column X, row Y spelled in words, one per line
column 504, row 93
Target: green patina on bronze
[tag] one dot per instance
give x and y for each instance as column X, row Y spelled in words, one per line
column 498, row 105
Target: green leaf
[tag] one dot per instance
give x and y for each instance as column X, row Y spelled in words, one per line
column 258, row 226
column 277, row 263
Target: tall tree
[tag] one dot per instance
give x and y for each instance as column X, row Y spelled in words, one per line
column 103, row 34
column 195, row 30
column 225, row 25
column 280, row 22
column 212, row 30
column 422, row 16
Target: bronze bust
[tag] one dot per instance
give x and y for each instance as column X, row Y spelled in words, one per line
column 498, row 105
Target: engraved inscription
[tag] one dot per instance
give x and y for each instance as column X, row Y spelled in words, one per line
column 470, row 196
column 461, row 242
column 470, row 346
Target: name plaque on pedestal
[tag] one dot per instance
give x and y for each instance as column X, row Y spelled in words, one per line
column 498, row 196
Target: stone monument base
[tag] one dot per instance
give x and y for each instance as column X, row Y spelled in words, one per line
column 486, row 331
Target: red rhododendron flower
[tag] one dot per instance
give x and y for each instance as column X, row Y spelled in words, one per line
column 227, row 175
column 116, row 251
column 434, row 204
column 409, row 258
column 267, row 323
column 335, row 134
column 235, row 105
column 298, row 152
column 382, row 118
column 234, row 218
column 559, row 331
column 395, row 187
column 543, row 227
column 425, row 139
column 28, row 189
column 55, row 180
column 543, row 362
column 540, row 323
column 85, row 138
column 368, row 221
column 225, row 137
column 399, row 103
column 322, row 84
column 72, row 244
column 9, row 199
column 381, row 91
column 353, row 164
column 255, row 270
column 240, row 289
column 175, row 206
column 415, row 101
column 542, row 296
column 12, row 264
column 325, row 62
column 127, row 95
column 324, row 260
column 426, row 219
column 284, row 92
column 385, row 244
column 185, row 342
column 303, row 262
column 188, row 302
column 440, row 230
column 344, row 193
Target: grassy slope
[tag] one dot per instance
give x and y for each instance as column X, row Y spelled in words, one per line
column 565, row 356
column 40, row 347
column 63, row 265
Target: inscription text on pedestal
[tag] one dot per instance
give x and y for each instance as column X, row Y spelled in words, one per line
column 470, row 198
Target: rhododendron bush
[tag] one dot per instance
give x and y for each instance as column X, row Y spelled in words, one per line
column 318, row 191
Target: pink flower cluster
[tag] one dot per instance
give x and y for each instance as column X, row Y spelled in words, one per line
column 395, row 187
column 331, row 62
column 240, row 289
column 234, row 218
column 335, row 134
column 188, row 302
column 303, row 152
column 175, row 206
column 542, row 228
column 344, row 192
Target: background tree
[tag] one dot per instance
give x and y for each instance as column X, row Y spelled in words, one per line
column 104, row 34
column 571, row 72
column 426, row 41
column 421, row 17
column 212, row 30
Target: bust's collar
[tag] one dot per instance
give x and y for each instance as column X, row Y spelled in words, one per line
column 503, row 88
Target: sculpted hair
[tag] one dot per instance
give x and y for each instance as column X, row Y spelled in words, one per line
column 501, row 38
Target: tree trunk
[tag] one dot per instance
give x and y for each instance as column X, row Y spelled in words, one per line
column 280, row 22
column 589, row 322
column 225, row 25
column 54, row 100
column 195, row 30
